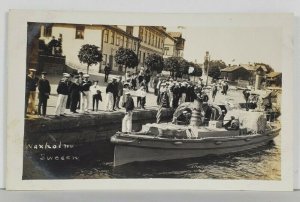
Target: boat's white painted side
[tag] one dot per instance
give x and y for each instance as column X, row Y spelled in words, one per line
column 134, row 149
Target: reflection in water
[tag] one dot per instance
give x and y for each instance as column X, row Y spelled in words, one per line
column 262, row 163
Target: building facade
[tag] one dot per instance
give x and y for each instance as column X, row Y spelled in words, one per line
column 152, row 39
column 143, row 40
column 174, row 45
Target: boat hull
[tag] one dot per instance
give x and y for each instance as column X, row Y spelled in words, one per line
column 136, row 149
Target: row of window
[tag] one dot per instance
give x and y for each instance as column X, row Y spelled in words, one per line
column 109, row 37
column 151, row 38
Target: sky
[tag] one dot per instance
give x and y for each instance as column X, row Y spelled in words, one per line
column 233, row 45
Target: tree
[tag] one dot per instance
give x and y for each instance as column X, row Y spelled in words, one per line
column 215, row 67
column 197, row 69
column 268, row 67
column 90, row 55
column 126, row 57
column 183, row 66
column 215, row 63
column 172, row 64
column 155, row 62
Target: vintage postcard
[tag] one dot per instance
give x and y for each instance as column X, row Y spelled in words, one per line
column 100, row 100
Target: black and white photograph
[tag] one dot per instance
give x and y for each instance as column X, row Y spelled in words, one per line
column 153, row 101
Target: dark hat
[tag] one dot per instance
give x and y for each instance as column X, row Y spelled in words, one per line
column 80, row 72
column 45, row 73
column 76, row 76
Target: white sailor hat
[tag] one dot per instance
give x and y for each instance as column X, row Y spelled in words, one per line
column 66, row 75
column 32, row 70
column 115, row 78
column 86, row 75
column 163, row 84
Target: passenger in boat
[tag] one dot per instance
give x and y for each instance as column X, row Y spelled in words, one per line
column 233, row 124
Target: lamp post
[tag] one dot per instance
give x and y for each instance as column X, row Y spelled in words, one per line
column 207, row 58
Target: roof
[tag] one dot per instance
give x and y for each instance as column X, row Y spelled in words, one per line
column 175, row 34
column 231, row 68
column 273, row 74
column 251, row 67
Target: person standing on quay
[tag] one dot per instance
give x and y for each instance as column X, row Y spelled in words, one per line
column 127, row 120
column 63, row 91
column 44, row 93
column 75, row 90
column 119, row 92
column 106, row 72
column 96, row 95
column 110, row 90
column 30, row 94
column 85, row 93
column 115, row 92
column 214, row 91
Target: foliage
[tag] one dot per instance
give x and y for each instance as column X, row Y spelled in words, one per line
column 215, row 67
column 268, row 67
column 197, row 69
column 183, row 65
column 155, row 62
column 90, row 55
column 214, row 72
column 215, row 63
column 126, row 57
column 172, row 64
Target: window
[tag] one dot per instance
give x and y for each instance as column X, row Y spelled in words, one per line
column 149, row 40
column 104, row 59
column 146, row 37
column 134, row 46
column 141, row 33
column 47, row 31
column 125, row 42
column 118, row 40
column 129, row 44
column 144, row 55
column 106, row 36
column 158, row 43
column 129, row 30
column 79, row 32
column 112, row 38
column 152, row 41
column 122, row 41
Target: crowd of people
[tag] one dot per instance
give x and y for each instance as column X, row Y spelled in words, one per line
column 77, row 92
column 171, row 93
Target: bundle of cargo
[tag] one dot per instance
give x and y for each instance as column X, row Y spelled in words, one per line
column 165, row 130
column 252, row 121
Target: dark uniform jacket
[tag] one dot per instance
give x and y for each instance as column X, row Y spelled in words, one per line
column 106, row 69
column 44, row 88
column 183, row 89
column 62, row 88
column 111, row 88
column 85, row 85
column 31, row 83
column 129, row 104
column 75, row 90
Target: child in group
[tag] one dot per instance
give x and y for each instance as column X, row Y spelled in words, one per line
column 141, row 97
column 96, row 95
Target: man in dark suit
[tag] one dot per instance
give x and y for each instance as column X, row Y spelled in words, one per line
column 30, row 92
column 106, row 72
column 44, row 93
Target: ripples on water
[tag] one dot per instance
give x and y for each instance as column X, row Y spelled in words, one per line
column 261, row 163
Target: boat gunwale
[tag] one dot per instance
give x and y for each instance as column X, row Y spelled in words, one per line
column 195, row 140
